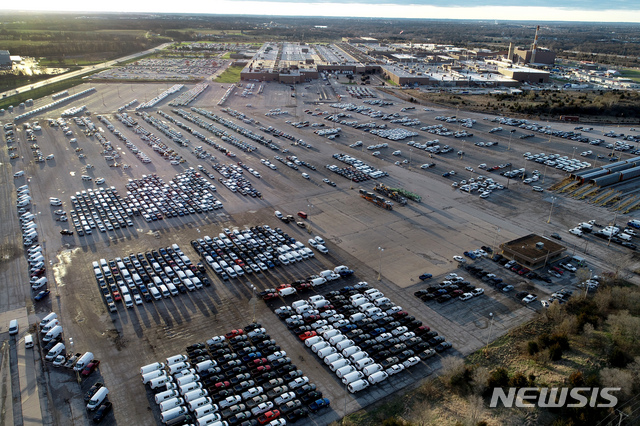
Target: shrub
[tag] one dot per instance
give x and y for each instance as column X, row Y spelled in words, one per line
column 498, row 378
column 576, row 379
column 518, row 380
column 533, row 348
column 618, row 358
column 555, row 352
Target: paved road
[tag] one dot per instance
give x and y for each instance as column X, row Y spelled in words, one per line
column 82, row 71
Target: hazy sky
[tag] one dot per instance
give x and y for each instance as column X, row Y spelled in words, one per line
column 535, row 10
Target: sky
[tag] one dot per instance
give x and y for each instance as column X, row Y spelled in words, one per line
column 532, row 10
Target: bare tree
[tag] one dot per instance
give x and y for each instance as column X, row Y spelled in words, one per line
column 475, row 409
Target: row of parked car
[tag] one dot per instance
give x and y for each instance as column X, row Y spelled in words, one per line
column 33, row 250
column 232, row 254
column 103, row 209
column 451, row 288
column 187, row 193
column 360, row 334
column 241, row 378
column 153, row 275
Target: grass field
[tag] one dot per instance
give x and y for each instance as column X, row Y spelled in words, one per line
column 41, row 92
column 631, row 73
column 226, row 56
column 230, row 75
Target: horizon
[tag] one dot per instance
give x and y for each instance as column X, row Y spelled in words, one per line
column 587, row 11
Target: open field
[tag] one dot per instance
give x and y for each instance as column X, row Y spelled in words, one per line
column 230, row 75
column 416, row 238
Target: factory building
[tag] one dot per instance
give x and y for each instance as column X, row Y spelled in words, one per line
column 5, row 59
column 533, row 251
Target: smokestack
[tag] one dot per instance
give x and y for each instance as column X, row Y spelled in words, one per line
column 535, row 46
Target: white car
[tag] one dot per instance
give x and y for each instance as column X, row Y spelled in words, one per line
column 394, row 369
column 576, row 231
column 313, row 243
column 459, row 259
column 99, row 181
column 530, row 298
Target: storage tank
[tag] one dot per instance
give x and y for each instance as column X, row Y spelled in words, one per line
column 607, row 180
column 630, row 173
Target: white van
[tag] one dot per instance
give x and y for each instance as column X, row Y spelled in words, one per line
column 163, row 396
column 334, row 366
column 320, row 304
column 161, row 381
column 151, row 367
column 55, row 351
column 318, row 281
column 83, row 361
column 344, row 344
column 373, row 368
column 381, row 301
column 357, row 317
column 175, row 359
column 287, row 291
column 48, row 318
column 347, row 352
column 39, row 283
column 52, row 334
column 200, row 402
column 299, row 303
column 312, row 341
column 188, row 387
column 359, row 302
column 180, row 381
column 377, row 377
column 357, row 386
column 352, row 377
column 171, row 403
column 195, row 394
column 326, row 351
column 358, row 356
column 205, row 410
column 173, row 413
column 28, row 341
column 205, row 365
column 177, row 367
column 364, row 362
column 147, row 377
column 48, row 326
column 212, row 419
column 364, row 307
column 97, row 398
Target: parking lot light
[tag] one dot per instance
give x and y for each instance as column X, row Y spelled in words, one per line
column 253, row 301
column 490, row 329
column 553, row 199
column 380, row 249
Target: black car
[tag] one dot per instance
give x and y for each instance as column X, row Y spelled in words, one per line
column 436, row 340
column 92, row 391
column 305, row 389
column 311, row 396
column 102, row 411
column 443, row 298
column 297, row 414
column 443, row 346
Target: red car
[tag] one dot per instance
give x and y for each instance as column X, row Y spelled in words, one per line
column 222, row 385
column 307, row 334
column 37, row 272
column 283, row 286
column 268, row 416
column 234, row 333
column 325, row 308
column 260, row 361
column 269, row 296
column 304, row 286
column 262, row 369
column 116, row 296
column 91, row 367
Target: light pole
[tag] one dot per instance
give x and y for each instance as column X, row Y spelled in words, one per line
column 510, row 135
column 253, row 301
column 553, row 199
column 495, row 236
column 410, row 155
column 486, row 349
column 380, row 249
column 574, row 152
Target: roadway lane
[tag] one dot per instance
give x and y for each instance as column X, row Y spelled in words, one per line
column 82, row 71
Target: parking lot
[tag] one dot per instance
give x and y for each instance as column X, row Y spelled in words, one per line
column 389, row 249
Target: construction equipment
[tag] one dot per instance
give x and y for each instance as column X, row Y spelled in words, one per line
column 376, row 199
column 391, row 193
column 407, row 194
